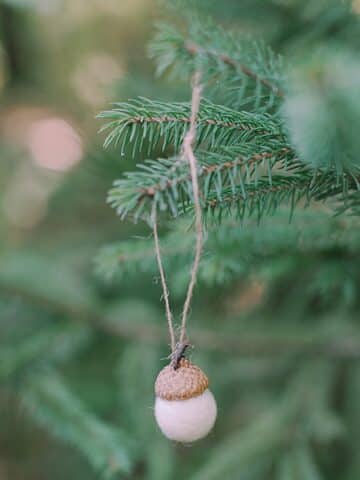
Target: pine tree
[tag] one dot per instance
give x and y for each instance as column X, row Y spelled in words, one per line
column 275, row 312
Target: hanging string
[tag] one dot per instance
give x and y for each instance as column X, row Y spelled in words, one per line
column 163, row 280
column 178, row 348
column 188, row 154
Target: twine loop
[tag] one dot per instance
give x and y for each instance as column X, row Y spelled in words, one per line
column 178, row 348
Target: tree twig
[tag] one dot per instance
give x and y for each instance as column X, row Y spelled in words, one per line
column 195, row 49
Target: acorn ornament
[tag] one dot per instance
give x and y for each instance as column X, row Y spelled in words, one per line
column 185, row 409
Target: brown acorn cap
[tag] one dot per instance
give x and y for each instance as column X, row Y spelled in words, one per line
column 186, row 381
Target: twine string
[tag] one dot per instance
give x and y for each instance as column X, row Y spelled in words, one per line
column 163, row 280
column 188, row 153
column 178, row 348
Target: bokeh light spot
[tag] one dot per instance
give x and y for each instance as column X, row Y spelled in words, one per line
column 54, row 144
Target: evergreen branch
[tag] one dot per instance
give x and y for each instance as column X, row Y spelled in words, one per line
column 263, row 198
column 167, row 181
column 230, row 63
column 209, row 167
column 231, row 251
column 165, row 125
column 53, row 406
column 223, row 180
column 53, row 344
column 256, row 184
column 137, row 256
column 351, row 206
column 315, row 343
column 195, row 49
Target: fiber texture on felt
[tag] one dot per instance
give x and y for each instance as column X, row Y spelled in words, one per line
column 186, row 420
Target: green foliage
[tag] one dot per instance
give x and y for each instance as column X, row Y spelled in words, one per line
column 165, row 124
column 236, row 68
column 298, row 464
column 52, row 405
column 290, row 422
column 19, row 268
column 54, row 344
column 230, row 250
column 245, row 159
column 271, row 252
column 323, row 111
column 255, row 184
column 248, row 446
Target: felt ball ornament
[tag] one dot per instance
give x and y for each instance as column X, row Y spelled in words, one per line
column 185, row 409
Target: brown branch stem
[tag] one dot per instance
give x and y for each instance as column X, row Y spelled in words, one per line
column 187, row 120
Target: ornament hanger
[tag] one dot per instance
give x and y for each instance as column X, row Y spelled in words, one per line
column 185, row 409
column 178, row 347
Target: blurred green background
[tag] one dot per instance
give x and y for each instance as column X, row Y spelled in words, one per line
column 79, row 354
column 61, row 63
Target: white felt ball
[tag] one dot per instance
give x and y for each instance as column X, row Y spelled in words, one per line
column 186, row 420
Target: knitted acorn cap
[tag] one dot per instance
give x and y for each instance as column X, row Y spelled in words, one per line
column 184, row 382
